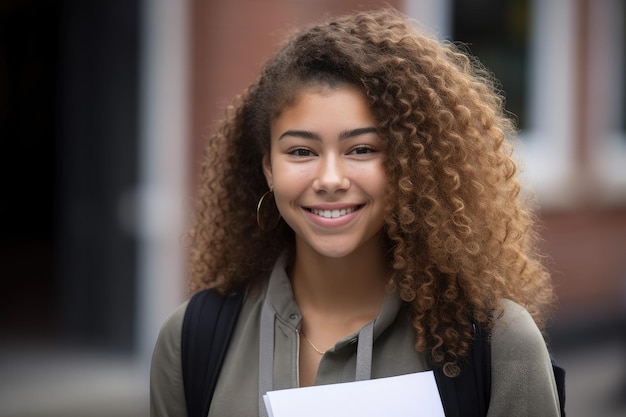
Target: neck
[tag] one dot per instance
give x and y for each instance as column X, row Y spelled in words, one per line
column 346, row 286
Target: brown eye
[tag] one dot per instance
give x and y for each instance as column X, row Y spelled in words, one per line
column 362, row 150
column 301, row 152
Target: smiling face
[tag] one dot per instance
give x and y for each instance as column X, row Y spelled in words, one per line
column 326, row 169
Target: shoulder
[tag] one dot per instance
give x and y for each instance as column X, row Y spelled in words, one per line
column 515, row 331
column 522, row 380
column 169, row 336
column 167, row 348
column 167, row 396
column 513, row 315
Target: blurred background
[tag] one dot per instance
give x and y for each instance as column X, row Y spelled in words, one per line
column 104, row 109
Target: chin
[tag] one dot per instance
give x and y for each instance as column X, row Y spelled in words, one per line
column 334, row 253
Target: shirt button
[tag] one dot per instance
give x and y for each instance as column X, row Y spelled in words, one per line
column 293, row 316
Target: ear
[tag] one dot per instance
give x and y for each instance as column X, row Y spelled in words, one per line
column 267, row 170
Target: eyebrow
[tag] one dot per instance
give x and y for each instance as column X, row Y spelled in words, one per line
column 350, row 133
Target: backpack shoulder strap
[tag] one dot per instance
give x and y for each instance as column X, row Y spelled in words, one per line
column 468, row 394
column 207, row 327
column 559, row 378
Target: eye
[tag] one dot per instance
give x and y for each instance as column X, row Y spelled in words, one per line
column 362, row 150
column 301, row 152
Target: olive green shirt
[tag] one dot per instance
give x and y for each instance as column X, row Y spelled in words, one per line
column 522, row 381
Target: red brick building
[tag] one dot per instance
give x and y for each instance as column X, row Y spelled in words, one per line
column 575, row 149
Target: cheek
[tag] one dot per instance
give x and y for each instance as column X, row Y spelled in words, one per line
column 374, row 178
column 292, row 176
column 289, row 184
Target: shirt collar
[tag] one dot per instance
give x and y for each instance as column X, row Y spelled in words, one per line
column 280, row 296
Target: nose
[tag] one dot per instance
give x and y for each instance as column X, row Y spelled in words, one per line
column 331, row 175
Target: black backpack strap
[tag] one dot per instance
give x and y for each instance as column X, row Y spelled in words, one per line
column 559, row 378
column 207, row 327
column 468, row 394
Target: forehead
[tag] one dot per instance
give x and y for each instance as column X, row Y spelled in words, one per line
column 324, row 108
column 290, row 92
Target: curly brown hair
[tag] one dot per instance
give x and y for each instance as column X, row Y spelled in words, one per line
column 460, row 237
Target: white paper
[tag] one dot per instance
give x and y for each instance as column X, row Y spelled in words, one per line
column 399, row 396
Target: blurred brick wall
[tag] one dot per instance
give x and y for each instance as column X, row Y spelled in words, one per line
column 587, row 247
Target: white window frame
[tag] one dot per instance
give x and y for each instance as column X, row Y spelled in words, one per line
column 162, row 195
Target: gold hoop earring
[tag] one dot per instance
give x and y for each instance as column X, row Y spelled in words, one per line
column 259, row 216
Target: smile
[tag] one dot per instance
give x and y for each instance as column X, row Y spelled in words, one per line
column 333, row 214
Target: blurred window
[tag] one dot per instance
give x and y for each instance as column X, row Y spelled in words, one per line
column 530, row 46
column 497, row 32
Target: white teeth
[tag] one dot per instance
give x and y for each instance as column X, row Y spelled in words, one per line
column 332, row 214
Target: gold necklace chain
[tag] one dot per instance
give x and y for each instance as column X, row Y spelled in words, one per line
column 315, row 348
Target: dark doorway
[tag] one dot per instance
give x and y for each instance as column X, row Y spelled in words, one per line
column 69, row 89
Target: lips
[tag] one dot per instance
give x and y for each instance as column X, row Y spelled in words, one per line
column 333, row 213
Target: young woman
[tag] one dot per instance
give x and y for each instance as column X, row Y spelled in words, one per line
column 361, row 194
